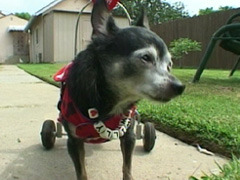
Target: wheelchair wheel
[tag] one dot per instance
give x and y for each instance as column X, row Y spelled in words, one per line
column 149, row 136
column 48, row 134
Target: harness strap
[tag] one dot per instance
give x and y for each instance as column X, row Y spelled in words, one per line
column 109, row 134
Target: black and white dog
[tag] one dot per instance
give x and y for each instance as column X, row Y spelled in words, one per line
column 117, row 69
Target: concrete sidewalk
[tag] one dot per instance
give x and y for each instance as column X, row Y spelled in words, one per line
column 25, row 102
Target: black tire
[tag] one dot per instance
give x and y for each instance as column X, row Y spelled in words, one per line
column 149, row 136
column 48, row 134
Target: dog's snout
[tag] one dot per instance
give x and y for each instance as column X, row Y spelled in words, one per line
column 178, row 88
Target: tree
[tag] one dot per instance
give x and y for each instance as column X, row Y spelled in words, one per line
column 23, row 15
column 211, row 10
column 156, row 10
column 206, row 11
column 224, row 8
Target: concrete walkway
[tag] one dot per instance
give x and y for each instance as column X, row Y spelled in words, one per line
column 25, row 102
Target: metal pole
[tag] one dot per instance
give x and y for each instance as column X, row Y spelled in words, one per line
column 204, row 59
column 77, row 24
column 126, row 12
column 235, row 67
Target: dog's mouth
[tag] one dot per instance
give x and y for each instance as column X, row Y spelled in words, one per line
column 161, row 99
column 157, row 98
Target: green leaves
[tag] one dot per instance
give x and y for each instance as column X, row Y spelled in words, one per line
column 210, row 10
column 230, row 171
column 157, row 11
column 182, row 46
column 23, row 15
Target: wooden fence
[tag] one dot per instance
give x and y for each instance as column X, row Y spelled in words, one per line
column 199, row 28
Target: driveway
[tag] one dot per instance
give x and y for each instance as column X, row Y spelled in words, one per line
column 25, row 102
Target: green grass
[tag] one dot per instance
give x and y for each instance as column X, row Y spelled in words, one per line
column 208, row 113
column 229, row 171
column 43, row 71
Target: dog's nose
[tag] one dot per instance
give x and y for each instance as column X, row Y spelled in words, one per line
column 178, row 88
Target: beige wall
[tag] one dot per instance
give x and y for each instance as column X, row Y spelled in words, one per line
column 85, row 29
column 85, row 32
column 73, row 5
column 6, row 38
column 64, row 36
column 48, row 38
column 36, row 49
column 1, row 15
column 56, row 31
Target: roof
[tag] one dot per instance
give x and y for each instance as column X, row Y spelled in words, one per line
column 40, row 12
column 2, row 14
column 44, row 10
column 16, row 28
column 47, row 7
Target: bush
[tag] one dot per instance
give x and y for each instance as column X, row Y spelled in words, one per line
column 182, row 46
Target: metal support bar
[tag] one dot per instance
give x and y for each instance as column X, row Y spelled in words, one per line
column 126, row 12
column 78, row 19
column 235, row 67
column 77, row 25
column 233, row 17
column 211, row 45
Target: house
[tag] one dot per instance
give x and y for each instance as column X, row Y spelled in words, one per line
column 52, row 31
column 1, row 14
column 13, row 41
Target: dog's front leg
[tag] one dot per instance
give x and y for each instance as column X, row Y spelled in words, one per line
column 77, row 153
column 127, row 147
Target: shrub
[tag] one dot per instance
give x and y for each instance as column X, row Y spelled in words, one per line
column 182, row 46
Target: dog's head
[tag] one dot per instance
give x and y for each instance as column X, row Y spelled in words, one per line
column 137, row 62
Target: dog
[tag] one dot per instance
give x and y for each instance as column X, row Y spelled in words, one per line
column 104, row 82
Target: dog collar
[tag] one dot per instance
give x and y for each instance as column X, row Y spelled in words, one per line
column 109, row 134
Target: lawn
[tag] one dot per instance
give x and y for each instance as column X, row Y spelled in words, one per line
column 208, row 113
column 43, row 71
column 229, row 171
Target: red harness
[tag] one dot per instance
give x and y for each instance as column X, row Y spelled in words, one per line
column 84, row 126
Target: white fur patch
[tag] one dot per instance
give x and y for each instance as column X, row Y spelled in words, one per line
column 154, row 81
column 151, row 50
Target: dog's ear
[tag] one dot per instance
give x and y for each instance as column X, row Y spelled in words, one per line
column 143, row 20
column 102, row 21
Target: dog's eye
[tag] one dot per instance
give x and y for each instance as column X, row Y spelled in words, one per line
column 169, row 67
column 146, row 58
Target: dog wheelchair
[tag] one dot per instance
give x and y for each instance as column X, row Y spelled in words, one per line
column 51, row 130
